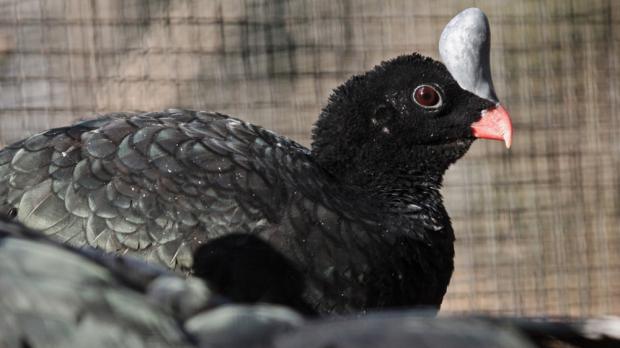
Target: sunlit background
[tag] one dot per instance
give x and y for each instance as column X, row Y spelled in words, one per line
column 538, row 227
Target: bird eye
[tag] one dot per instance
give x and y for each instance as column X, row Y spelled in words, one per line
column 427, row 97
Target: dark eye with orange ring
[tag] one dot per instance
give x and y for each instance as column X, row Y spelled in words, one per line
column 427, row 97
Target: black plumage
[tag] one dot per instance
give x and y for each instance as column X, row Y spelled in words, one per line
column 404, row 329
column 57, row 296
column 54, row 295
column 246, row 269
column 360, row 215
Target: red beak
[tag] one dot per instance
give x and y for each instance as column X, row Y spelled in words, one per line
column 495, row 124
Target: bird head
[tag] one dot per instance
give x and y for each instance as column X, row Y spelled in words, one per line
column 408, row 113
column 413, row 114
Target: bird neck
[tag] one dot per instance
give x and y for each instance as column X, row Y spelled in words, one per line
column 417, row 168
column 403, row 184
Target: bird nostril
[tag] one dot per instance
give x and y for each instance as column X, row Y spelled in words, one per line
column 12, row 212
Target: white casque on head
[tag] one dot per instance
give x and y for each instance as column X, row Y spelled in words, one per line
column 464, row 47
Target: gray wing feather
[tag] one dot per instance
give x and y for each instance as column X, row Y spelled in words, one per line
column 403, row 329
column 52, row 297
column 149, row 184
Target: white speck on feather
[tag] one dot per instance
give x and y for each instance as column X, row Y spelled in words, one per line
column 413, row 207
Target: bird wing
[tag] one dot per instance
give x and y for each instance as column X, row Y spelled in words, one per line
column 55, row 296
column 152, row 184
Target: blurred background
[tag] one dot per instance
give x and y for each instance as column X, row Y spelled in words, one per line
column 538, row 227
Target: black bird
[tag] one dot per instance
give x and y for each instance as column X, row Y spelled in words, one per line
column 403, row 329
column 54, row 295
column 360, row 214
column 57, row 296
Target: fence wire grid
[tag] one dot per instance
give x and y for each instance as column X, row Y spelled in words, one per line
column 538, row 227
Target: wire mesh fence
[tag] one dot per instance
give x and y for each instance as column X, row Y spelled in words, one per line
column 538, row 228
